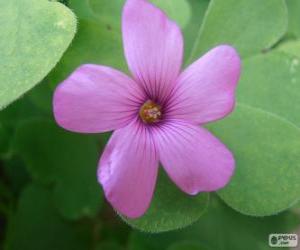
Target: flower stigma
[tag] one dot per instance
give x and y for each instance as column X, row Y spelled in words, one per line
column 150, row 112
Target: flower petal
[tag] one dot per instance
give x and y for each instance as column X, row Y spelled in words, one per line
column 193, row 158
column 206, row 89
column 153, row 47
column 96, row 99
column 128, row 170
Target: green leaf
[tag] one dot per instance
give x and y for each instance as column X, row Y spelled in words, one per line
column 267, row 153
column 36, row 225
column 218, row 228
column 67, row 160
column 35, row 33
column 294, row 18
column 170, row 208
column 250, row 26
column 264, row 134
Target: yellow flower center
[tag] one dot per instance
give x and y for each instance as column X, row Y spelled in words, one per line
column 150, row 112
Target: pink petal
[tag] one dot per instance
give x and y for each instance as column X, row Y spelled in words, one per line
column 153, row 47
column 206, row 89
column 128, row 170
column 96, row 99
column 193, row 158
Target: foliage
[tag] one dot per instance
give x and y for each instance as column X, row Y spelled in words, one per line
column 49, row 195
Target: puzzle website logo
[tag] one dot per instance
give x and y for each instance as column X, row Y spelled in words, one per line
column 283, row 240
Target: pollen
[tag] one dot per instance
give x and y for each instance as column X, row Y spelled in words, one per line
column 150, row 112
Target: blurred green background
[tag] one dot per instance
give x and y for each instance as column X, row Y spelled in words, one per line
column 49, row 195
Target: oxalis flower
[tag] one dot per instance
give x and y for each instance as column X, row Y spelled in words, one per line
column 155, row 114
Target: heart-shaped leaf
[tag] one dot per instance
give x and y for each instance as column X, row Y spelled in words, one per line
column 250, row 26
column 67, row 160
column 34, row 35
column 264, row 134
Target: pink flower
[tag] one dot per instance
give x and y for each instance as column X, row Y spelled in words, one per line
column 156, row 114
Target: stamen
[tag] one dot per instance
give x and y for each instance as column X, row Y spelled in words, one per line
column 150, row 112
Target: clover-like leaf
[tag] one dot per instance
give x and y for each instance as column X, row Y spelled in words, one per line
column 67, row 160
column 170, row 208
column 264, row 134
column 250, row 26
column 36, row 225
column 34, row 35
